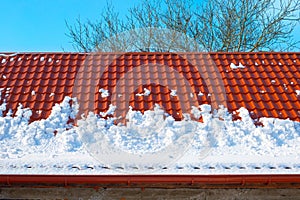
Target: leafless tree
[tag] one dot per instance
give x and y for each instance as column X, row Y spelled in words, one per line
column 178, row 25
column 248, row 25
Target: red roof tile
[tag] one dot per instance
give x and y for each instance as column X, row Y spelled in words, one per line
column 266, row 86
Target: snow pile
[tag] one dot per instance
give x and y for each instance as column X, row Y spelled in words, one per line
column 275, row 138
column 19, row 137
column 151, row 139
column 155, row 133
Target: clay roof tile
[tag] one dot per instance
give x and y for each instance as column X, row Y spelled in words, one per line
column 266, row 85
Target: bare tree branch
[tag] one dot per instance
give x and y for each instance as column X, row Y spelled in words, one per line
column 178, row 25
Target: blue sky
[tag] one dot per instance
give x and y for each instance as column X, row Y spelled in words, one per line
column 39, row 25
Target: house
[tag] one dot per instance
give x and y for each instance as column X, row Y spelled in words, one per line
column 267, row 84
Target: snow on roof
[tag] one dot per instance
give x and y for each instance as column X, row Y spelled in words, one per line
column 239, row 147
column 240, row 66
column 252, row 132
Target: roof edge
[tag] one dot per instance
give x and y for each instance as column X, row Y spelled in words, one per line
column 159, row 181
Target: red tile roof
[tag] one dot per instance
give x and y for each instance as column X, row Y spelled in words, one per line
column 267, row 85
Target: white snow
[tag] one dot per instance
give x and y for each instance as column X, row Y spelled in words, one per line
column 104, row 93
column 149, row 141
column 173, row 93
column 19, row 138
column 51, row 95
column 7, row 91
column 33, row 93
column 146, row 93
column 196, row 112
column 200, row 93
column 110, row 111
column 7, row 55
column 233, row 66
column 297, row 92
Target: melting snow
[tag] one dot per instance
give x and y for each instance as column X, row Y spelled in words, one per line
column 54, row 146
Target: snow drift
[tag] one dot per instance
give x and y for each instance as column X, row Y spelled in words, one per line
column 150, row 139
